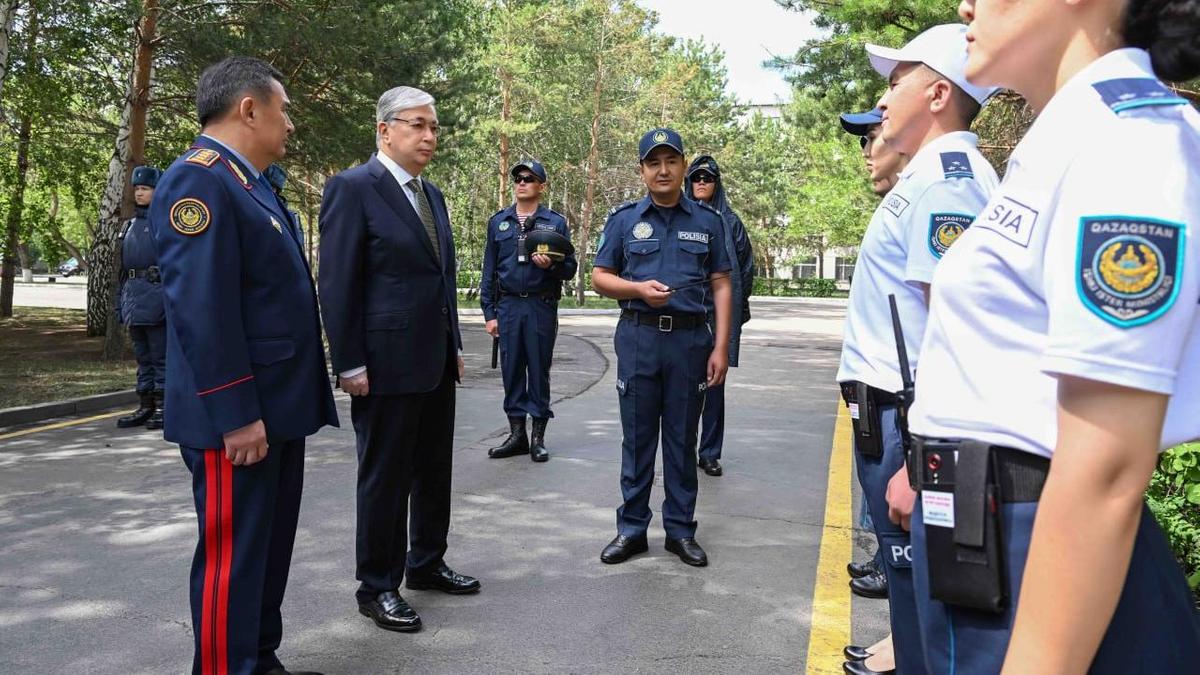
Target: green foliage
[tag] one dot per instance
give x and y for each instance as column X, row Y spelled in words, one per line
column 807, row 288
column 1174, row 499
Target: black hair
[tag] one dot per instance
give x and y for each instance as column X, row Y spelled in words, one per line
column 968, row 107
column 222, row 85
column 1170, row 31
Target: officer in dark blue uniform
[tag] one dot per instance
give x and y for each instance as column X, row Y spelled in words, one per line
column 519, row 294
column 247, row 379
column 140, row 305
column 664, row 257
column 277, row 178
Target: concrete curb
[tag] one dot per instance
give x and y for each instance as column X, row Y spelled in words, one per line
column 43, row 411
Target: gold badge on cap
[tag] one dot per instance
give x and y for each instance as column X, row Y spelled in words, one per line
column 190, row 216
column 643, row 230
column 660, row 137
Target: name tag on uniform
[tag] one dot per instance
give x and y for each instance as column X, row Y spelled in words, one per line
column 701, row 237
column 895, row 204
column 1010, row 219
column 937, row 508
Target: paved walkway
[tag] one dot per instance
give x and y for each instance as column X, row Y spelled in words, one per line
column 97, row 527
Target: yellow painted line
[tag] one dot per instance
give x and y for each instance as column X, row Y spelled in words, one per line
column 60, row 425
column 830, row 628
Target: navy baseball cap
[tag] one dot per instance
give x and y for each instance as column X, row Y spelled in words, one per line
column 860, row 123
column 145, row 175
column 656, row 137
column 535, row 167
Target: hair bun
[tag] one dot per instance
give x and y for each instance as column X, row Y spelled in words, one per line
column 1170, row 31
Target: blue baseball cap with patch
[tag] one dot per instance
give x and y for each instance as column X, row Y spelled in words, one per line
column 145, row 175
column 535, row 167
column 656, row 137
column 859, row 124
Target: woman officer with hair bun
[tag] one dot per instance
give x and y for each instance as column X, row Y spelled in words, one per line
column 1062, row 354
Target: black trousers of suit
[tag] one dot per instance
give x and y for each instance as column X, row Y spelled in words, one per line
column 405, row 453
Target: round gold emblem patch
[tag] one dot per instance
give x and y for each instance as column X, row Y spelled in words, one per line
column 190, row 216
column 660, row 137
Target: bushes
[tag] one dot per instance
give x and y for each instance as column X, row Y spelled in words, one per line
column 808, row 288
column 1174, row 499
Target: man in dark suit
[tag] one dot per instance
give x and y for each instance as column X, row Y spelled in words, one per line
column 388, row 295
column 246, row 374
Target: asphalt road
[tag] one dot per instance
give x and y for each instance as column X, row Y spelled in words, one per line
column 97, row 529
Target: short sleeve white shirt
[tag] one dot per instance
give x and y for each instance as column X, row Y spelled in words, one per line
column 939, row 193
column 1084, row 263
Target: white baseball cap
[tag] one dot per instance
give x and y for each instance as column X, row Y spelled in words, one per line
column 942, row 48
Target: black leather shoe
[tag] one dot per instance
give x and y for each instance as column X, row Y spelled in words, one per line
column 859, row 570
column 389, row 611
column 537, row 440
column 445, row 580
column 156, row 420
column 855, row 653
column 711, row 467
column 516, row 443
column 688, row 551
column 860, row 668
column 623, row 548
column 870, row 586
column 138, row 417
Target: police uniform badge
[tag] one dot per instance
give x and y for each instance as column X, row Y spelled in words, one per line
column 504, row 226
column 1128, row 267
column 945, row 229
column 660, row 137
column 643, row 230
column 190, row 216
column 275, row 224
column 203, row 157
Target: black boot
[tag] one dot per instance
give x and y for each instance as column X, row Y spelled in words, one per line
column 138, row 417
column 537, row 440
column 516, row 443
column 156, row 420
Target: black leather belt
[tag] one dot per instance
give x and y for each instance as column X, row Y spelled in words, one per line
column 545, row 295
column 879, row 396
column 150, row 274
column 666, row 322
column 1020, row 475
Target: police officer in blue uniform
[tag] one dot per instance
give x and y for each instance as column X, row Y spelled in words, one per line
column 664, row 257
column 247, row 378
column 519, row 294
column 704, row 184
column 277, row 178
column 140, row 305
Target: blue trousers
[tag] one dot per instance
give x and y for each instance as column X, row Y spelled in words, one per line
column 247, row 517
column 528, row 330
column 1155, row 628
column 712, row 426
column 150, row 349
column 660, row 382
column 894, row 545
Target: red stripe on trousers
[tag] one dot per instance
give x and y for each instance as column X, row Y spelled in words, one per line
column 211, row 558
column 226, row 562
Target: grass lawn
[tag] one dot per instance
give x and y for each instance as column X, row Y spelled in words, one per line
column 45, row 355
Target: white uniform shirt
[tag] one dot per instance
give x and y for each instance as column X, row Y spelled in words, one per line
column 1085, row 262
column 939, row 193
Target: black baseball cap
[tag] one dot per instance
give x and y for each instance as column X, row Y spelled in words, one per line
column 535, row 167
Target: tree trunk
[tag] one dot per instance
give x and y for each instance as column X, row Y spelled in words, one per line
column 55, row 231
column 591, row 173
column 117, row 203
column 505, row 117
column 8, row 12
column 8, row 270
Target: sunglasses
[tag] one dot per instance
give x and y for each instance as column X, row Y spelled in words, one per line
column 703, row 178
column 525, row 178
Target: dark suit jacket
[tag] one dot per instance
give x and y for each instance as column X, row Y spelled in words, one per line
column 243, row 338
column 385, row 299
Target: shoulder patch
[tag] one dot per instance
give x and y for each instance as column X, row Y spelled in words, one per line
column 203, row 157
column 190, row 216
column 956, row 165
column 622, row 207
column 1127, row 93
column 945, row 229
column 894, row 204
column 1127, row 268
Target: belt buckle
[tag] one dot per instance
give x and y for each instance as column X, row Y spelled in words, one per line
column 523, row 295
column 131, row 274
column 666, row 323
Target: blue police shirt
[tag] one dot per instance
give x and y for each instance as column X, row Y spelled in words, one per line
column 675, row 246
column 500, row 257
column 141, row 302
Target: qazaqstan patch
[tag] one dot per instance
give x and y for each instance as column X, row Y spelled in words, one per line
column 1128, row 267
column 190, row 216
column 945, row 229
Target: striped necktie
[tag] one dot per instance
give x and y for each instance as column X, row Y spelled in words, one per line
column 426, row 215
